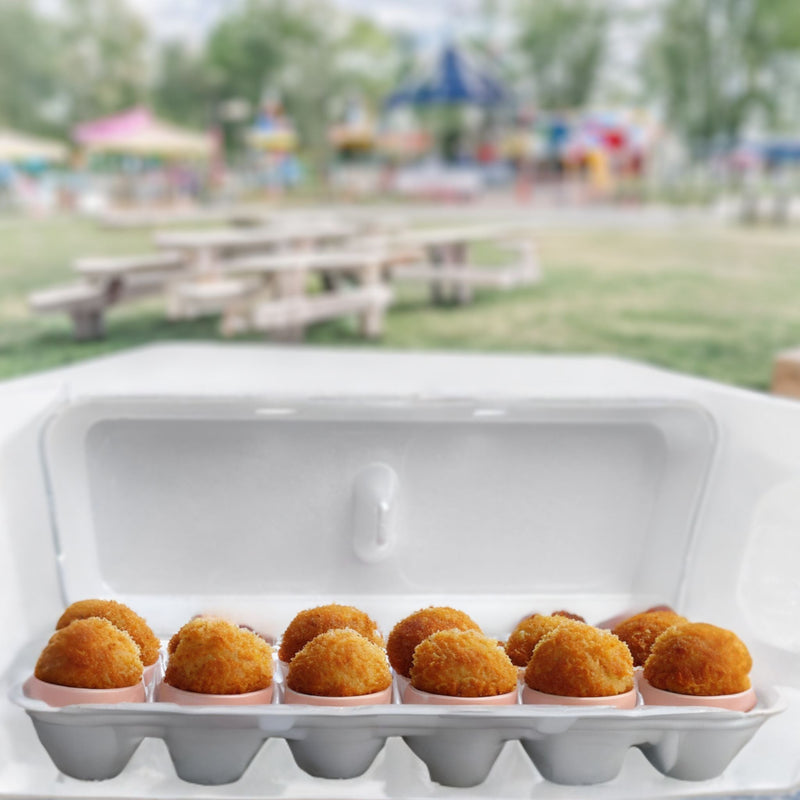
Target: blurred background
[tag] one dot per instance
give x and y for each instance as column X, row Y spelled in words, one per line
column 648, row 148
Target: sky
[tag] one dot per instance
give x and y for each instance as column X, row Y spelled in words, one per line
column 190, row 19
column 428, row 20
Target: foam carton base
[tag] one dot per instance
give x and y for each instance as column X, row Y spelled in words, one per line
column 458, row 745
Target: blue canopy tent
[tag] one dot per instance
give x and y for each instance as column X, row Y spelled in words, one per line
column 778, row 152
column 454, row 79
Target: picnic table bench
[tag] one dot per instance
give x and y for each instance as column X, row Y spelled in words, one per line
column 285, row 308
column 288, row 317
column 106, row 281
column 449, row 270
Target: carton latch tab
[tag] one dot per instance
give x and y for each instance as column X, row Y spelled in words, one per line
column 374, row 511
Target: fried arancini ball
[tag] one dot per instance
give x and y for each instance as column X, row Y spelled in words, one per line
column 409, row 632
column 528, row 633
column 175, row 638
column 462, row 664
column 568, row 615
column 641, row 630
column 120, row 615
column 339, row 663
column 314, row 621
column 214, row 656
column 699, row 659
column 90, row 653
column 579, row 660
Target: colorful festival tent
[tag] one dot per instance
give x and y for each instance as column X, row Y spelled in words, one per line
column 20, row 147
column 138, row 133
column 455, row 77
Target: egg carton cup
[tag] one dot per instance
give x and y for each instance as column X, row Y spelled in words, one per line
column 458, row 744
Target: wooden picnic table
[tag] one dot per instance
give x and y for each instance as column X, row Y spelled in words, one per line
column 448, row 262
column 107, row 281
column 456, row 234
column 204, row 247
column 102, row 268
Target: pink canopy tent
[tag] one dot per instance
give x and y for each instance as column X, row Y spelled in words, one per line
column 138, row 132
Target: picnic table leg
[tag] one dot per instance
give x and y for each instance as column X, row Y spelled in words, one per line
column 371, row 320
column 462, row 292
column 88, row 326
column 437, row 257
column 291, row 284
column 201, row 265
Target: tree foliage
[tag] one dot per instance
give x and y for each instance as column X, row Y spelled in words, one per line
column 562, row 46
column 187, row 87
column 717, row 65
column 102, row 58
column 28, row 72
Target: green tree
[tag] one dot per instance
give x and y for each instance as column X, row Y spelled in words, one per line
column 717, row 65
column 102, row 58
column 27, row 66
column 562, row 44
column 247, row 47
column 310, row 53
column 187, row 87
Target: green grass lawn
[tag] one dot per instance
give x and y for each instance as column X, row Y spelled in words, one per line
column 709, row 301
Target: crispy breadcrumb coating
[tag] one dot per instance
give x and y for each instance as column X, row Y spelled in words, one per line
column 214, row 656
column 578, row 660
column 409, row 632
column 120, row 615
column 314, row 621
column 641, row 630
column 462, row 664
column 528, row 633
column 90, row 654
column 568, row 615
column 699, row 659
column 339, row 663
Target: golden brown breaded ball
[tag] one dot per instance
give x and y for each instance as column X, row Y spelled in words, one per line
column 568, row 615
column 528, row 633
column 578, row 660
column 339, row 663
column 641, row 630
column 215, row 656
column 314, row 621
column 699, row 659
column 462, row 664
column 90, row 654
column 411, row 630
column 120, row 615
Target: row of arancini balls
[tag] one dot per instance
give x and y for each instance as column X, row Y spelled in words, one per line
column 336, row 650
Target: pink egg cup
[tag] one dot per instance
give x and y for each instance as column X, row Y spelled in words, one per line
column 384, row 697
column 169, row 694
column 626, row 700
column 150, row 672
column 414, row 696
column 60, row 696
column 740, row 701
column 402, row 683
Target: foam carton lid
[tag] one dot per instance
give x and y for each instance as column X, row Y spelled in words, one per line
column 253, row 475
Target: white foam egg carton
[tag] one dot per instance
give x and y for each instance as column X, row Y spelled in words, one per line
column 459, row 746
column 257, row 481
